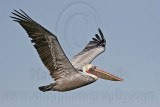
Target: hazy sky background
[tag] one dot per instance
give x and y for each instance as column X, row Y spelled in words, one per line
column 132, row 30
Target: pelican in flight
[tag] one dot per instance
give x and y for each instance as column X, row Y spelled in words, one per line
column 67, row 74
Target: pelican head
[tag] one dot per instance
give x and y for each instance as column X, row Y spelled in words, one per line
column 96, row 73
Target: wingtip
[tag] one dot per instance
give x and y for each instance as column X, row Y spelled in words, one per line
column 101, row 34
column 21, row 10
column 100, row 31
column 97, row 36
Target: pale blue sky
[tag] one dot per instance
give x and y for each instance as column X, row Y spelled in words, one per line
column 132, row 30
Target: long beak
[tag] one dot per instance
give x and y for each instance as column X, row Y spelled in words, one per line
column 104, row 75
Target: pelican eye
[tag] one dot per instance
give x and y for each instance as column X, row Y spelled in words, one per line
column 92, row 68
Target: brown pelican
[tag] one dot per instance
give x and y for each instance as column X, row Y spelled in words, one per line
column 67, row 75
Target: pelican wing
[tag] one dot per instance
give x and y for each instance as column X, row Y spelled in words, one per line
column 47, row 46
column 90, row 52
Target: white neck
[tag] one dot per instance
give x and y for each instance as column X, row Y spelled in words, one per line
column 86, row 68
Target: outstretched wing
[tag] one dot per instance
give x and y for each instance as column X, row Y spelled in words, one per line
column 47, row 46
column 90, row 52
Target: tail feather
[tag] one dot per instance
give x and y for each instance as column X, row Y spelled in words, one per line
column 47, row 87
